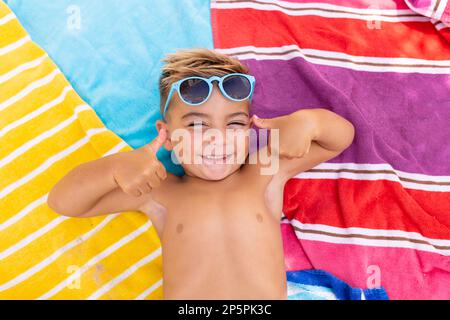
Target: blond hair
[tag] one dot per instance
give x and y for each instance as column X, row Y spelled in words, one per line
column 195, row 62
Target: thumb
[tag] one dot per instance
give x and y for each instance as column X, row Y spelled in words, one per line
column 261, row 123
column 158, row 142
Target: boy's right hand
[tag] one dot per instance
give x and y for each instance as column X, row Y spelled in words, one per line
column 139, row 171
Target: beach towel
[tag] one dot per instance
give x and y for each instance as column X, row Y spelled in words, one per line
column 437, row 10
column 111, row 53
column 46, row 129
column 321, row 285
column 378, row 214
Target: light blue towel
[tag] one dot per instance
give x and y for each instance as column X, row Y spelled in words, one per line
column 321, row 285
column 110, row 51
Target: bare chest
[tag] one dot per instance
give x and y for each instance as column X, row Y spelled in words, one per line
column 217, row 210
column 235, row 234
column 229, row 238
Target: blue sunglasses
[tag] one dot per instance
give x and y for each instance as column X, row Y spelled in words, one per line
column 196, row 90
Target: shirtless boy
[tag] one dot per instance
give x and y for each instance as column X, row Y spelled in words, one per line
column 219, row 224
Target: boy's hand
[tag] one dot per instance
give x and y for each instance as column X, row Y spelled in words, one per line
column 296, row 133
column 139, row 171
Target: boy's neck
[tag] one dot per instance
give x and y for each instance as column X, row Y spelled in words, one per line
column 190, row 178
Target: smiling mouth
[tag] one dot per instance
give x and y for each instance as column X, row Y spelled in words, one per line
column 216, row 158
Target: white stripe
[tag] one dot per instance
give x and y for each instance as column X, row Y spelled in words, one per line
column 96, row 259
column 29, row 208
column 50, row 161
column 405, row 61
column 7, row 18
column 41, row 200
column 370, row 232
column 31, row 237
column 124, row 275
column 371, row 243
column 147, row 292
column 355, row 240
column 429, row 11
column 327, row 6
column 36, row 234
column 373, row 177
column 26, row 66
column 361, row 67
column 440, row 10
column 45, row 135
column 15, row 45
column 36, row 112
column 30, row 272
column 395, row 176
column 117, row 148
column 320, row 9
column 282, row 50
column 439, row 26
column 30, row 88
column 322, row 57
column 383, row 166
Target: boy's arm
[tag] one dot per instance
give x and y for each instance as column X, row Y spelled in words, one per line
column 119, row 182
column 307, row 138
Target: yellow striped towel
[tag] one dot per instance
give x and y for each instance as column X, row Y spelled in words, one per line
column 46, row 130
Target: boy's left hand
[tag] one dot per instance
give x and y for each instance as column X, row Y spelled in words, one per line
column 296, row 133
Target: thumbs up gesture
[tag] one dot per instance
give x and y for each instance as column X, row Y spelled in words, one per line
column 139, row 171
column 296, row 133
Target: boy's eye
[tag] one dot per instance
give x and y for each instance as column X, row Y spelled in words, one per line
column 196, row 124
column 236, row 123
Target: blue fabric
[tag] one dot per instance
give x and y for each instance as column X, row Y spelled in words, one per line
column 298, row 291
column 321, row 285
column 111, row 54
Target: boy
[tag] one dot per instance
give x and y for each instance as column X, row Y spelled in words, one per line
column 219, row 223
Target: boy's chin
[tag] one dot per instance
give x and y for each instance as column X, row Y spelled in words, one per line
column 216, row 172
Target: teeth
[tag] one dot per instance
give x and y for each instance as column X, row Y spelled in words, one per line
column 216, row 157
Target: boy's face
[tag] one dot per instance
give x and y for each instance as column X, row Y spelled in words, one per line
column 214, row 141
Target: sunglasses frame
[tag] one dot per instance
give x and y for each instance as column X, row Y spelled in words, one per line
column 176, row 87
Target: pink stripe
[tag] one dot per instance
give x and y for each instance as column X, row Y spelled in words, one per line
column 360, row 4
column 404, row 273
column 446, row 15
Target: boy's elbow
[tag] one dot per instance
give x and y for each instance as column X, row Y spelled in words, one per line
column 351, row 134
column 347, row 134
column 58, row 206
column 53, row 204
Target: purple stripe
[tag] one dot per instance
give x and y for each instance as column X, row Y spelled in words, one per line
column 400, row 119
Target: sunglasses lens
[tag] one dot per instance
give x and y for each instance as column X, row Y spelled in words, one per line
column 237, row 87
column 194, row 91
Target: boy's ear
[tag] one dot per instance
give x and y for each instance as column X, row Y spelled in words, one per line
column 160, row 124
